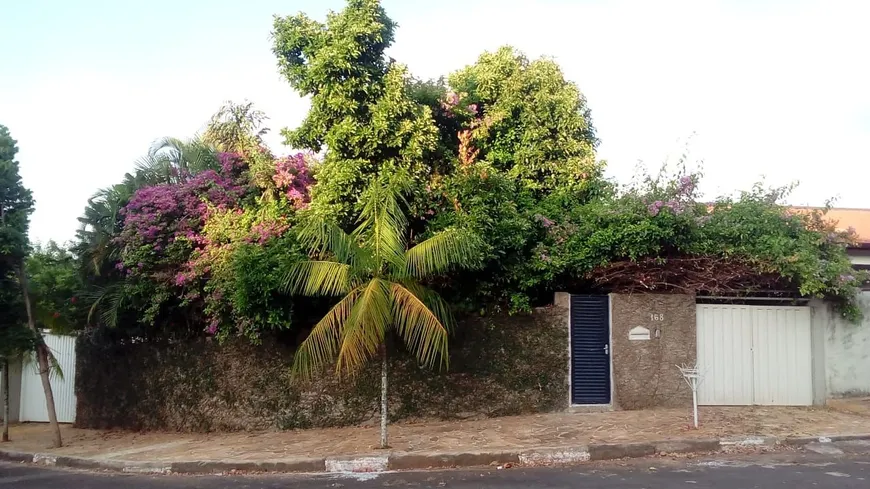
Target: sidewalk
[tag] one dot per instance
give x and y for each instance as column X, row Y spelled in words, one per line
column 558, row 431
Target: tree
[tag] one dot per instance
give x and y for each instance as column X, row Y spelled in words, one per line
column 55, row 282
column 237, row 128
column 361, row 112
column 535, row 126
column 16, row 205
column 172, row 160
column 377, row 277
column 98, row 226
column 15, row 339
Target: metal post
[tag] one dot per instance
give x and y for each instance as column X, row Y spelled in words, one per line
column 693, row 377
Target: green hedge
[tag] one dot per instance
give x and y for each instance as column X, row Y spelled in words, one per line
column 498, row 366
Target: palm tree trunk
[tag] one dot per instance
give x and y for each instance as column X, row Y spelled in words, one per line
column 5, row 400
column 42, row 361
column 384, row 412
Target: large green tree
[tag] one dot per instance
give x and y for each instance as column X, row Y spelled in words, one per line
column 361, row 114
column 377, row 277
column 55, row 284
column 16, row 205
column 535, row 125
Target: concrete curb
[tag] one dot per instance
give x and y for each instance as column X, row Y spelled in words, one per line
column 422, row 460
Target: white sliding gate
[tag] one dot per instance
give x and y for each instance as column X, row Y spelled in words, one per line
column 32, row 395
column 754, row 355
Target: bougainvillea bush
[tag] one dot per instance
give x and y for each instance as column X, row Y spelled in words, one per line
column 185, row 247
column 660, row 237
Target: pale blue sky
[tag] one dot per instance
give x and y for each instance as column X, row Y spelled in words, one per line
column 776, row 89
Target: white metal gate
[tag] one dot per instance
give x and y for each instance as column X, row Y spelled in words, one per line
column 32, row 395
column 754, row 355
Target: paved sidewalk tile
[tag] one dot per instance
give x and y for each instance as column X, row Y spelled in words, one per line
column 565, row 431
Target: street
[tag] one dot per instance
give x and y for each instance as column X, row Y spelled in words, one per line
column 792, row 470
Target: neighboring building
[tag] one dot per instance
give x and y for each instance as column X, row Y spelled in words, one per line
column 859, row 220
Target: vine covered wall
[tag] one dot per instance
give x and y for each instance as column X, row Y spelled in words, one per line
column 498, row 366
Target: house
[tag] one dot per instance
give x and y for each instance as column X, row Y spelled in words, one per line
column 625, row 348
column 859, row 220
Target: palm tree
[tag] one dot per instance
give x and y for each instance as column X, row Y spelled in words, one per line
column 98, row 226
column 171, row 160
column 237, row 128
column 377, row 278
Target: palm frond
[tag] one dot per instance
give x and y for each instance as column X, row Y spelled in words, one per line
column 324, row 237
column 54, row 368
column 318, row 278
column 366, row 328
column 107, row 302
column 322, row 344
column 382, row 223
column 451, row 248
column 419, row 327
column 433, row 301
column 172, row 160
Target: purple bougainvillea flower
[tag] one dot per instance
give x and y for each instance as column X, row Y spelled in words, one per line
column 544, row 221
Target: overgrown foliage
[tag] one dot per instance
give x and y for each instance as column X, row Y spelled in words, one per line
column 196, row 241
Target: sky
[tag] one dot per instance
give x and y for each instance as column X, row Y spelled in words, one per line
column 750, row 90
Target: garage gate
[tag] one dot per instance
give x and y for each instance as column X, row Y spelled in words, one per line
column 754, row 355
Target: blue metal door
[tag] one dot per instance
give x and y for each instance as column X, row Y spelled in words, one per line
column 590, row 349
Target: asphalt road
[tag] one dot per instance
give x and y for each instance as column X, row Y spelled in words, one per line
column 792, row 471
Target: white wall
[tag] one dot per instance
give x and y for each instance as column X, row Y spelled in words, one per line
column 14, row 391
column 847, row 351
column 32, row 395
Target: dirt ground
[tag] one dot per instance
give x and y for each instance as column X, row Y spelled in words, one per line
column 853, row 405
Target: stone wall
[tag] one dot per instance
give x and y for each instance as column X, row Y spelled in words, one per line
column 644, row 371
column 498, row 366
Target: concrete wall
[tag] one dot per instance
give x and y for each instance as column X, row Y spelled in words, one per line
column 644, row 371
column 846, row 350
column 14, row 391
